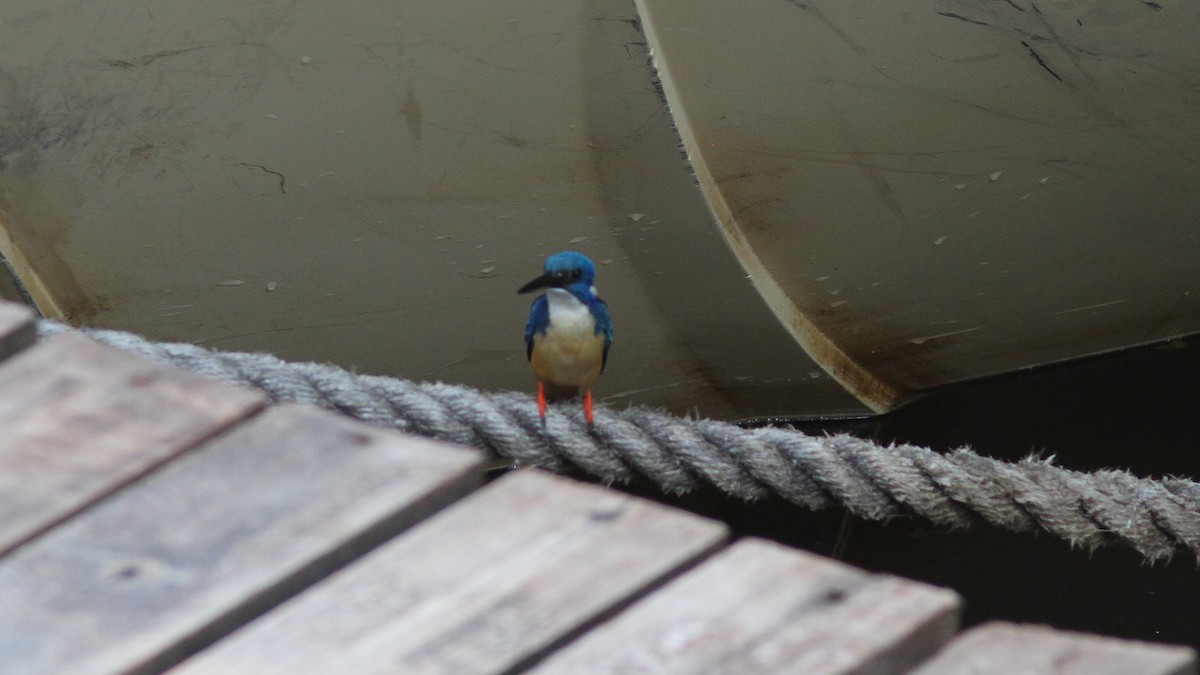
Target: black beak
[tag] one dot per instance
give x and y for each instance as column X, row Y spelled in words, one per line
column 547, row 280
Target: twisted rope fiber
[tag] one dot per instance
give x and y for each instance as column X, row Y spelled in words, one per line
column 1155, row 517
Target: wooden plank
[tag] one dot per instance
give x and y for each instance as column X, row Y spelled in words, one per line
column 1003, row 648
column 214, row 538
column 78, row 420
column 18, row 328
column 759, row 607
column 486, row 586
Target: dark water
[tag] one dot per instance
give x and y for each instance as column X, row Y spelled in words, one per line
column 1138, row 410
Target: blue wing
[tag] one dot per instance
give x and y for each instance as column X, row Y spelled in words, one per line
column 603, row 325
column 539, row 318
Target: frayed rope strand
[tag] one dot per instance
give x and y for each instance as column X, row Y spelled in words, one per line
column 1155, row 517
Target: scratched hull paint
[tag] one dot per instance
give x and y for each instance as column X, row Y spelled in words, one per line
column 929, row 192
column 893, row 196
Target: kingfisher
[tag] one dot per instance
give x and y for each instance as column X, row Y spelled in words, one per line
column 569, row 331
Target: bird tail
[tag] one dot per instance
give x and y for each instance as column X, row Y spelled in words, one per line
column 558, row 392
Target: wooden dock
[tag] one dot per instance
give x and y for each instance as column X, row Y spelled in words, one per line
column 151, row 520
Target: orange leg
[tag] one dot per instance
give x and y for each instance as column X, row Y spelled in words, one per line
column 587, row 408
column 542, row 401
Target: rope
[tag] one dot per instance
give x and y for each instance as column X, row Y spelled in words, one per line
column 957, row 489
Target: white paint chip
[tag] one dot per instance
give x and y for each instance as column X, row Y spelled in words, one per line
column 996, row 175
column 939, row 241
column 271, row 285
column 636, row 216
column 230, row 282
column 578, row 240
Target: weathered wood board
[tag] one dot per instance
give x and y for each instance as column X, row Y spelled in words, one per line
column 759, row 607
column 78, row 420
column 214, row 538
column 1002, row 648
column 486, row 585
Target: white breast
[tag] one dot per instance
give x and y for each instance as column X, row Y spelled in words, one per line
column 569, row 317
